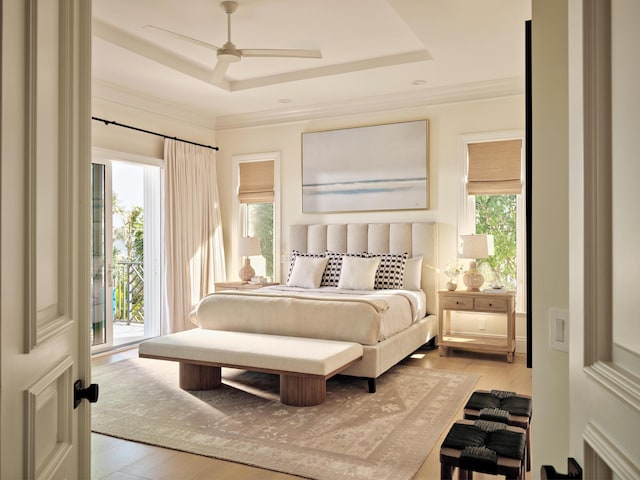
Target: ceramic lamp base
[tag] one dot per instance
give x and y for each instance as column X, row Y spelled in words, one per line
column 247, row 272
column 473, row 279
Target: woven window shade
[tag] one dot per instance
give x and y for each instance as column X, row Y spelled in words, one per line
column 256, row 182
column 494, row 168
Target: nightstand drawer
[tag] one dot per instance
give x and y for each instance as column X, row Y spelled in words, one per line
column 457, row 303
column 491, row 304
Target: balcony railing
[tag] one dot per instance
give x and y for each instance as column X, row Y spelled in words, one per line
column 128, row 292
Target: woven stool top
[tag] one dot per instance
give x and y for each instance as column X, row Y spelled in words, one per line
column 510, row 402
column 482, row 443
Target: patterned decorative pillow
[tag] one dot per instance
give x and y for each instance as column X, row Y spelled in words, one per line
column 297, row 253
column 390, row 273
column 331, row 275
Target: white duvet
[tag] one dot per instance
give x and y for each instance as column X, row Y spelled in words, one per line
column 362, row 316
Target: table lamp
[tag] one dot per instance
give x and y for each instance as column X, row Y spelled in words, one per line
column 248, row 247
column 474, row 247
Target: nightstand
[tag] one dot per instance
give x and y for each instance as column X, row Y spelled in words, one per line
column 219, row 286
column 465, row 301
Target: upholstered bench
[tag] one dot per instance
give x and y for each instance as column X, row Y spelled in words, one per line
column 482, row 446
column 502, row 406
column 304, row 364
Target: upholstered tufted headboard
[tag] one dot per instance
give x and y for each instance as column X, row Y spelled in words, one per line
column 417, row 239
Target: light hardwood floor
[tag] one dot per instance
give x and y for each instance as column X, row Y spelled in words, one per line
column 114, row 459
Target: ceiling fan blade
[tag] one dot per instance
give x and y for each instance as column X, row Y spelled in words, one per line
column 183, row 37
column 220, row 69
column 272, row 52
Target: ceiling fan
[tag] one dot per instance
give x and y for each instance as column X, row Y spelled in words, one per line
column 229, row 53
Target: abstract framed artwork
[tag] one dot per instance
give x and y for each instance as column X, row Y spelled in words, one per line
column 370, row 168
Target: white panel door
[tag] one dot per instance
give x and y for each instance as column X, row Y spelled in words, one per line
column 605, row 226
column 45, row 158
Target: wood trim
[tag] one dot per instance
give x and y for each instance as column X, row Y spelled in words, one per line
column 618, row 382
column 79, row 18
column 45, row 322
column 605, row 456
column 54, row 388
column 598, row 333
column 598, row 294
column 503, row 87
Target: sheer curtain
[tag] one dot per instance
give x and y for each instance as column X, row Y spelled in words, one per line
column 193, row 230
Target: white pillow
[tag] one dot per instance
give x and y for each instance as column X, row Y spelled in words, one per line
column 358, row 273
column 307, row 272
column 412, row 279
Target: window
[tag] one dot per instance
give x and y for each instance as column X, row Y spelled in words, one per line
column 257, row 181
column 257, row 221
column 493, row 203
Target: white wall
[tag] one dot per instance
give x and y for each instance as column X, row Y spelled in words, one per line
column 447, row 122
column 550, row 229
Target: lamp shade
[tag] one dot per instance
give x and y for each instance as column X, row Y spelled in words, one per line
column 476, row 246
column 249, row 246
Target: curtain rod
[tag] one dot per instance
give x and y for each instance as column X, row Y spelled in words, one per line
column 111, row 122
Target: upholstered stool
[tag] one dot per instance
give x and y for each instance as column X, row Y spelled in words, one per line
column 502, row 406
column 482, row 446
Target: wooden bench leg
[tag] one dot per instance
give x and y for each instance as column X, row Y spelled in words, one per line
column 199, row 377
column 304, row 391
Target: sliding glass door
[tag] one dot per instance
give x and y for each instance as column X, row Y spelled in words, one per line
column 101, row 287
column 126, row 304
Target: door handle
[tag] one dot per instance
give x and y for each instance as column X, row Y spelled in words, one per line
column 574, row 471
column 90, row 393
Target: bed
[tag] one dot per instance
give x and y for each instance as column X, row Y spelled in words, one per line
column 329, row 292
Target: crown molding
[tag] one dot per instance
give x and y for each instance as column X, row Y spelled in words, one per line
column 505, row 87
column 467, row 92
column 127, row 97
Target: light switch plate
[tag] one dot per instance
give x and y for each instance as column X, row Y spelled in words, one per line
column 559, row 329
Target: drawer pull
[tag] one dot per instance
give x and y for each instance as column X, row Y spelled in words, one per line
column 491, row 304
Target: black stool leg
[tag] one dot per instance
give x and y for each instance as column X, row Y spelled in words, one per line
column 528, row 448
column 446, row 471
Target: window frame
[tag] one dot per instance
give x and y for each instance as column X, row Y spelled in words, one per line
column 467, row 211
column 238, row 230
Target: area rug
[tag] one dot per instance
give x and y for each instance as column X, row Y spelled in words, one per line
column 352, row 435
